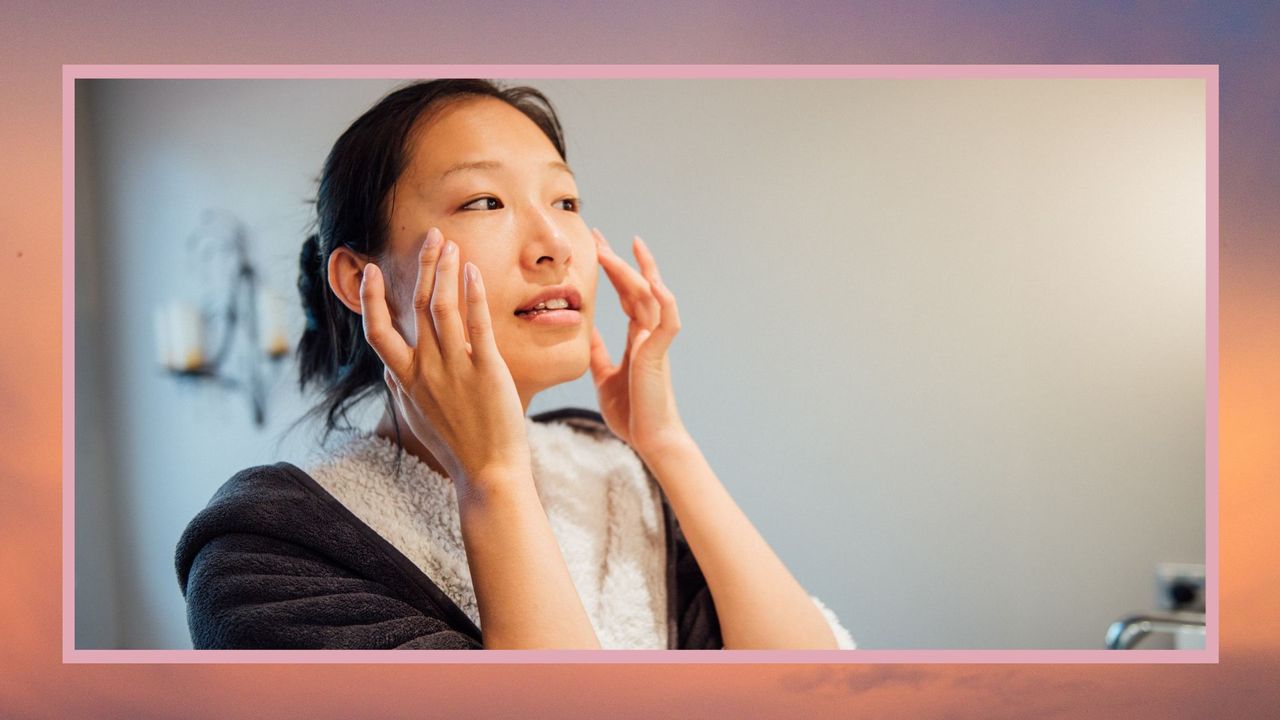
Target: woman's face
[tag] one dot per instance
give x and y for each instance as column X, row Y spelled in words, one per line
column 488, row 177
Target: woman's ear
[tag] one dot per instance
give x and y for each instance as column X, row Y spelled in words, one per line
column 345, row 270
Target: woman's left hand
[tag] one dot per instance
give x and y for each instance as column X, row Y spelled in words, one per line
column 636, row 398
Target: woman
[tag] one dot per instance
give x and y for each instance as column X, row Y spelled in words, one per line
column 453, row 271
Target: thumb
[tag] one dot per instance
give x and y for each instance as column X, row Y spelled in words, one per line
column 601, row 364
column 637, row 343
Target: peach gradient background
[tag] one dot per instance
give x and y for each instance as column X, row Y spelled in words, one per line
column 34, row 43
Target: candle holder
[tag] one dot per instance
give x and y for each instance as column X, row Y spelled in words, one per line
column 180, row 327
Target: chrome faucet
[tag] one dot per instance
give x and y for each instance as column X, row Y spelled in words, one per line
column 1128, row 631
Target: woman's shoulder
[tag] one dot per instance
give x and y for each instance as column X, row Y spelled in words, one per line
column 253, row 484
column 279, row 502
column 253, row 496
column 274, row 561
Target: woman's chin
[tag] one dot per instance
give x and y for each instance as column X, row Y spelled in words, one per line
column 551, row 366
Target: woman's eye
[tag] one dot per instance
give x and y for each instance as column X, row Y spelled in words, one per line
column 490, row 203
column 573, row 204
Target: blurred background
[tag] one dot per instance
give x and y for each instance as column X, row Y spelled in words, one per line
column 943, row 340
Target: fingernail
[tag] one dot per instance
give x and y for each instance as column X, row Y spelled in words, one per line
column 472, row 274
column 433, row 238
column 450, row 247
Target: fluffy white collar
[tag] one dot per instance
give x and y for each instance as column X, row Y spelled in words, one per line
column 603, row 510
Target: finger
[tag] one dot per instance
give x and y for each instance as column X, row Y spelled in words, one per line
column 393, row 386
column 633, row 291
column 444, row 305
column 483, row 348
column 644, row 258
column 381, row 335
column 630, row 286
column 424, row 286
column 653, row 307
column 624, row 365
column 608, row 262
column 669, row 314
column 397, row 392
column 601, row 364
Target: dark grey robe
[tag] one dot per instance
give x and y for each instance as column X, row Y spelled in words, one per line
column 275, row 561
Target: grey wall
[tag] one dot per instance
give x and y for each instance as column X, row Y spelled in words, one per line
column 943, row 340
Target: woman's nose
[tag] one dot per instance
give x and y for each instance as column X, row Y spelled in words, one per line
column 545, row 241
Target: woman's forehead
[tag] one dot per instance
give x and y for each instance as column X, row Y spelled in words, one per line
column 486, row 134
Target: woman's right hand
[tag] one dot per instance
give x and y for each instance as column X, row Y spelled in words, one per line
column 457, row 397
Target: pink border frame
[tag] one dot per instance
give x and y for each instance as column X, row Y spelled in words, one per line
column 71, row 73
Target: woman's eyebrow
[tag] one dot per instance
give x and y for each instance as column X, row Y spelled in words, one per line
column 495, row 165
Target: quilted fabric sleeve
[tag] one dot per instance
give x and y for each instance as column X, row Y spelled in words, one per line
column 250, row 591
column 274, row 562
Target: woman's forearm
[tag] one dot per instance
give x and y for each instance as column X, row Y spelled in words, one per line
column 759, row 603
column 523, row 589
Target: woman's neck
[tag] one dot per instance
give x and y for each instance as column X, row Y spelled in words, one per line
column 387, row 429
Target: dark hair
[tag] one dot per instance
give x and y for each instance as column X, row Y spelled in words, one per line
column 353, row 210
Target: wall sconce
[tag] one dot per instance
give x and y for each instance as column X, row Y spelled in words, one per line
column 180, row 327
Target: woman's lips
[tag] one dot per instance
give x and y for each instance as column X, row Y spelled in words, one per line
column 553, row 318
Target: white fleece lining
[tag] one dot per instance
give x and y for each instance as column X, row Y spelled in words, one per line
column 603, row 510
column 605, row 515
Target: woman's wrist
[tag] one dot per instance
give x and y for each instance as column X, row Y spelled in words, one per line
column 496, row 483
column 673, row 447
column 524, row 592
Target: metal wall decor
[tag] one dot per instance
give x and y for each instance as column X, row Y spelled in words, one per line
column 220, row 245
